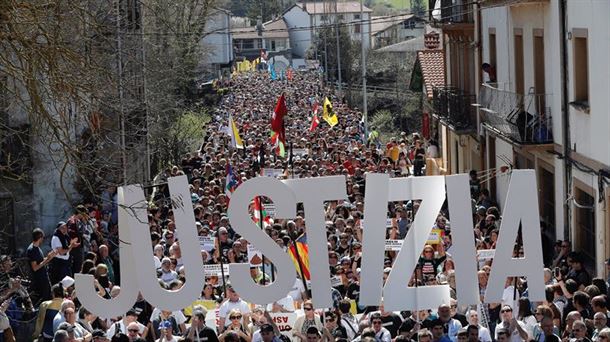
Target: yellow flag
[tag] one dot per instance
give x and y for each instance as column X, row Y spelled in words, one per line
column 328, row 115
column 234, row 133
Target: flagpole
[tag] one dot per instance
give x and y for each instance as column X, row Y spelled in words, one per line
column 260, row 223
column 222, row 273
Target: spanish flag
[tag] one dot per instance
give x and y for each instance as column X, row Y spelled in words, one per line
column 234, row 134
column 328, row 115
column 299, row 253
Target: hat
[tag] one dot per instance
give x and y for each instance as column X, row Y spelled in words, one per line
column 98, row 333
column 266, row 327
column 165, row 325
column 131, row 312
column 481, row 210
column 67, row 282
column 387, row 270
column 66, row 326
column 60, row 223
column 194, row 198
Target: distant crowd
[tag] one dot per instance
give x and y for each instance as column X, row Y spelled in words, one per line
column 575, row 309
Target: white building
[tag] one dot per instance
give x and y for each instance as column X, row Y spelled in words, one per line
column 216, row 40
column 391, row 29
column 303, row 19
column 526, row 113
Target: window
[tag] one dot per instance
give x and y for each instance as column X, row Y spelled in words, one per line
column 356, row 16
column 518, row 51
column 247, row 44
column 357, row 28
column 273, row 45
column 581, row 68
column 585, row 238
column 341, row 17
column 492, row 47
column 323, row 17
column 539, row 75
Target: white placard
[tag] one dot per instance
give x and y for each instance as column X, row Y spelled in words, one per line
column 284, row 321
column 388, row 223
column 299, row 151
column 212, row 319
column 273, row 172
column 270, row 209
column 255, row 257
column 393, row 245
column 214, row 270
column 335, row 281
column 207, row 243
column 485, row 254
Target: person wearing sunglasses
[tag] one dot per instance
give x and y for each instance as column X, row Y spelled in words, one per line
column 381, row 334
column 236, row 326
column 310, row 319
column 515, row 329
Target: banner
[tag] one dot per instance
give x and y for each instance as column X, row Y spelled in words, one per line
column 435, row 237
column 269, row 208
column 212, row 319
column 208, row 304
column 273, row 172
column 214, row 270
column 284, row 321
column 485, row 254
column 207, row 243
column 299, row 152
column 393, row 245
column 255, row 257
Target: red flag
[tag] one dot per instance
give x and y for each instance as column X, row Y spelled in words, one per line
column 277, row 121
column 315, row 121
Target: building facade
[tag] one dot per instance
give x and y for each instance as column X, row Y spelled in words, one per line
column 303, row 20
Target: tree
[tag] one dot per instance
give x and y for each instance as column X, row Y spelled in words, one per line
column 326, row 37
column 418, row 8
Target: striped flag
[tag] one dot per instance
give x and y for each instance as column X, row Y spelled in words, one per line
column 259, row 211
column 236, row 141
column 299, row 253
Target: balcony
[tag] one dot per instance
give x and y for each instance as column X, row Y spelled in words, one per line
column 454, row 106
column 451, row 11
column 524, row 119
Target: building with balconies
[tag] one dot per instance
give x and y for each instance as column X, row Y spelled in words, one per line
column 543, row 104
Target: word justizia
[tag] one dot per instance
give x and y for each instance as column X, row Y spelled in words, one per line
column 521, row 208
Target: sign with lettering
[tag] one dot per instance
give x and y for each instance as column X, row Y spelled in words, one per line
column 207, row 243
column 255, row 257
column 214, row 270
column 284, row 321
column 273, row 172
column 521, row 208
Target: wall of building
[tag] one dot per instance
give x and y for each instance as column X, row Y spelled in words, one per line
column 217, row 45
column 592, row 15
column 300, row 39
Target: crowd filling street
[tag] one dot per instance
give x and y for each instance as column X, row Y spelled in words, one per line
column 314, row 145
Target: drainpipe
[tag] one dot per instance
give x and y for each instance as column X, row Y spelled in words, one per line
column 565, row 124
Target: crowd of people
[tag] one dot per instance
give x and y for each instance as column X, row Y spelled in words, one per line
column 575, row 308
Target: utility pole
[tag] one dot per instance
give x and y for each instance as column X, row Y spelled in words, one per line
column 325, row 43
column 364, row 102
column 120, row 85
column 338, row 50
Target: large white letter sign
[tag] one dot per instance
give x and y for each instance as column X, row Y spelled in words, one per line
column 373, row 239
column 397, row 294
column 189, row 244
column 285, row 207
column 312, row 192
column 521, row 207
column 464, row 256
column 108, row 308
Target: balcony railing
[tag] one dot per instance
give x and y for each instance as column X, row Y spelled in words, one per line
column 455, row 106
column 451, row 11
column 526, row 119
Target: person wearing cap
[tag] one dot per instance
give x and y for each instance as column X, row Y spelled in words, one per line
column 166, row 330
column 99, row 335
column 120, row 326
column 41, row 285
column 62, row 244
column 198, row 331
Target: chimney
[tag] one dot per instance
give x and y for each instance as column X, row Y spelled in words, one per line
column 431, row 41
